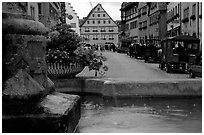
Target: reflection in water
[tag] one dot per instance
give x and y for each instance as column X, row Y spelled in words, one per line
column 141, row 115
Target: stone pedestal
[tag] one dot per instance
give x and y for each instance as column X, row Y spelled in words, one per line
column 29, row 101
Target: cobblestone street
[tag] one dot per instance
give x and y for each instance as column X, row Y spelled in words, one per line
column 121, row 66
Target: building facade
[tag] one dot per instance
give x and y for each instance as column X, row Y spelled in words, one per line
column 157, row 28
column 72, row 18
column 158, row 20
column 191, row 19
column 143, row 22
column 173, row 19
column 99, row 28
column 129, row 24
column 48, row 13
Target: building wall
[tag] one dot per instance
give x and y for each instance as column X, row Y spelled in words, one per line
column 50, row 13
column 129, row 17
column 191, row 21
column 33, row 10
column 99, row 28
column 143, row 21
column 200, row 23
column 190, row 26
column 157, row 21
column 173, row 19
column 72, row 18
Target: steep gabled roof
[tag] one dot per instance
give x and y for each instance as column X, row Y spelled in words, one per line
column 88, row 16
column 92, row 12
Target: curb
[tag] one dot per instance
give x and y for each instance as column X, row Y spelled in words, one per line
column 123, row 88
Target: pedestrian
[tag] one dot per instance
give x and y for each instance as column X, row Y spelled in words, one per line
column 131, row 50
column 113, row 47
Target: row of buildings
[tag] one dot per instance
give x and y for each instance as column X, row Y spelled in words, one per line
column 144, row 22
column 48, row 13
column 141, row 22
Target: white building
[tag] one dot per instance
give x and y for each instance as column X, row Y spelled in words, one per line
column 99, row 28
column 72, row 18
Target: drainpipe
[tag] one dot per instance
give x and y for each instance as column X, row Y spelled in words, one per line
column 180, row 19
column 198, row 18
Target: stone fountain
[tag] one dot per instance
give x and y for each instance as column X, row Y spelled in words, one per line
column 29, row 101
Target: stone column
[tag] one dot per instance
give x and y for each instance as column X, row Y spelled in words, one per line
column 29, row 101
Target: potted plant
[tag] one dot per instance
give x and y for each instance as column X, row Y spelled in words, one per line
column 92, row 58
column 66, row 55
column 60, row 56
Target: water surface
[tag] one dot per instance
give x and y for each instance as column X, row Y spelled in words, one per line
column 143, row 115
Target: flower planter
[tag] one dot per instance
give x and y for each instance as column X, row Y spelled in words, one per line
column 64, row 70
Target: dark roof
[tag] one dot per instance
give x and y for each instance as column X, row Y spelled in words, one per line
column 91, row 13
column 184, row 38
column 128, row 5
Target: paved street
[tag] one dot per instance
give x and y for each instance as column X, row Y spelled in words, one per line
column 121, row 66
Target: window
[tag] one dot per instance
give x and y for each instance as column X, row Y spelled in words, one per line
column 144, row 24
column 73, row 25
column 111, row 37
column 176, row 10
column 104, row 22
column 104, row 15
column 140, row 25
column 93, row 22
column 87, row 22
column 95, row 37
column 109, row 21
column 86, row 37
column 92, row 15
column 194, row 9
column 39, row 8
column 186, row 13
column 144, row 10
column 98, row 15
column 111, row 29
column 98, row 9
column 95, row 29
column 127, row 27
column 99, row 21
column 103, row 37
column 86, row 29
column 135, row 24
column 103, row 29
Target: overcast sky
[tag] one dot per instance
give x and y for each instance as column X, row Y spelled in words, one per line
column 83, row 8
